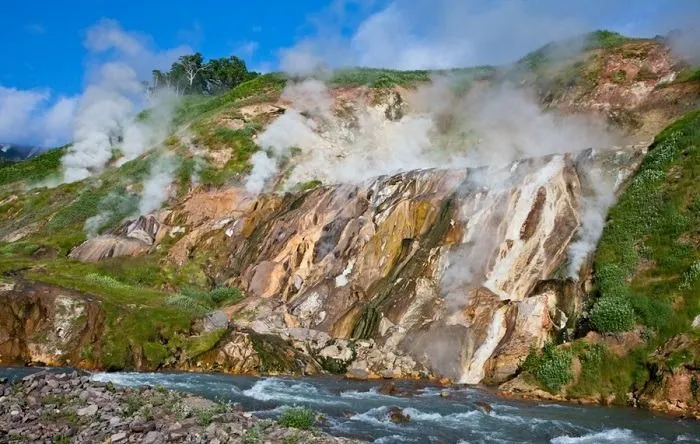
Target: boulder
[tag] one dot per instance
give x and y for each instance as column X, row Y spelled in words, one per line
column 398, row 416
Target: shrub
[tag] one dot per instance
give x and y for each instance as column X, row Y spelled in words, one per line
column 105, row 281
column 651, row 312
column 221, row 295
column 619, row 76
column 155, row 353
column 252, row 435
column 604, row 39
column 186, row 303
column 691, row 276
column 297, row 417
column 612, row 314
column 204, row 417
column 551, row 368
column 206, row 300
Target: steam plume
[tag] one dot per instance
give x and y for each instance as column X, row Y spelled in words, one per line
column 104, row 117
column 156, row 188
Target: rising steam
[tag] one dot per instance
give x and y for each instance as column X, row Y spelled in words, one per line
column 156, row 188
column 493, row 126
column 105, row 127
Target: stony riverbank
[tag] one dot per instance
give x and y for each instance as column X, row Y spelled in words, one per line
column 69, row 407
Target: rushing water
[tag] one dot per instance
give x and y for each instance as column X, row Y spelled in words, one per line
column 357, row 409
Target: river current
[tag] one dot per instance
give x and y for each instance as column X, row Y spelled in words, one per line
column 437, row 415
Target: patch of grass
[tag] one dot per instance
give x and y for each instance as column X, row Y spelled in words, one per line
column 619, row 76
column 305, row 186
column 646, row 265
column 603, row 39
column 187, row 303
column 377, row 78
column 604, row 373
column 687, row 76
column 197, row 345
column 155, row 353
column 612, row 314
column 388, row 78
column 203, row 301
column 33, row 170
column 650, row 224
column 106, row 281
column 198, row 106
column 252, row 435
column 551, row 367
column 135, row 317
column 297, row 417
column 238, row 142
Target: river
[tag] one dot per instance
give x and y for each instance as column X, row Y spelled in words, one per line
column 357, row 409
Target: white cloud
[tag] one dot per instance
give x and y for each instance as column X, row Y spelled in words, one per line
column 118, row 60
column 58, row 120
column 35, row 28
column 421, row 34
column 246, row 49
column 31, row 116
column 108, row 39
column 16, row 106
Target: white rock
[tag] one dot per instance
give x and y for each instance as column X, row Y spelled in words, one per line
column 696, row 322
column 88, row 411
column 118, row 437
column 151, row 437
column 337, row 351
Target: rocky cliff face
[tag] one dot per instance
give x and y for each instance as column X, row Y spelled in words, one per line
column 444, row 266
column 46, row 324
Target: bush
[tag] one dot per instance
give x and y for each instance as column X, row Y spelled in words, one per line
column 651, row 312
column 551, row 368
column 691, row 276
column 297, row 417
column 209, row 299
column 105, row 281
column 221, row 295
column 612, row 314
column 186, row 303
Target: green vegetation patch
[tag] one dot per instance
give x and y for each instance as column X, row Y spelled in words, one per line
column 198, row 301
column 261, row 88
column 36, row 169
column 297, row 417
column 603, row 373
column 648, row 254
column 377, row 78
column 550, row 367
column 137, row 320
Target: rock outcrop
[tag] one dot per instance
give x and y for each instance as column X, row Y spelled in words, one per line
column 131, row 239
column 45, row 324
column 445, row 268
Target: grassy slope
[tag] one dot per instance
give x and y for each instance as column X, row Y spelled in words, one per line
column 647, row 272
column 153, row 304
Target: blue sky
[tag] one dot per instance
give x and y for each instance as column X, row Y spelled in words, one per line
column 47, row 36
column 47, row 63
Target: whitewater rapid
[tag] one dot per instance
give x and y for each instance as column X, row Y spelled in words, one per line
column 453, row 415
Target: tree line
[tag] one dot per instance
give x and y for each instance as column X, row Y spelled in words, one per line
column 191, row 75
